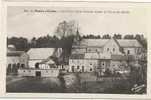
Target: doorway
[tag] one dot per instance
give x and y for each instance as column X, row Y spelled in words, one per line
column 38, row 73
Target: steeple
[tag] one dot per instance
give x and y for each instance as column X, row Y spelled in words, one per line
column 77, row 37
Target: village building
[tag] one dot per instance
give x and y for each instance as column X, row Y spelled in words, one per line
column 15, row 60
column 41, row 62
column 102, row 54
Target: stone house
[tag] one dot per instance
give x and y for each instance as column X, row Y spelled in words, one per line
column 77, row 63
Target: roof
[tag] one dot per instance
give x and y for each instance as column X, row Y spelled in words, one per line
column 40, row 53
column 93, row 42
column 102, row 42
column 77, row 56
column 129, row 43
column 15, row 53
column 118, row 57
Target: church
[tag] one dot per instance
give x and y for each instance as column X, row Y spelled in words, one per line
column 93, row 55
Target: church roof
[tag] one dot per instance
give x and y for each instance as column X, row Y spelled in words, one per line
column 129, row 43
column 93, row 42
column 102, row 42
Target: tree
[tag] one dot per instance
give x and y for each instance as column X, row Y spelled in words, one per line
column 129, row 36
column 20, row 43
column 106, row 36
column 117, row 36
column 33, row 42
column 141, row 40
column 65, row 29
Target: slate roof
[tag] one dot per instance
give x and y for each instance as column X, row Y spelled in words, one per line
column 93, row 42
column 129, row 43
column 15, row 53
column 40, row 53
column 102, row 42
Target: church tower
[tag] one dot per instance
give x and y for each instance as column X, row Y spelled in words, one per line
column 77, row 38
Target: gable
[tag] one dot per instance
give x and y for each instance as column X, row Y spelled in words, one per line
column 112, row 46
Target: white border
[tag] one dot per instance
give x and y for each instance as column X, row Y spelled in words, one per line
column 3, row 36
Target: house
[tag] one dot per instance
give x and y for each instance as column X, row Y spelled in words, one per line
column 77, row 63
column 41, row 62
column 111, row 54
column 15, row 60
column 37, row 55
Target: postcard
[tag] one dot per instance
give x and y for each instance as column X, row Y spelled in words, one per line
column 81, row 50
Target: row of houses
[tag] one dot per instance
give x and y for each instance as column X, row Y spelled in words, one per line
column 87, row 55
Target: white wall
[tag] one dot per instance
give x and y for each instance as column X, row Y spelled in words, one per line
column 78, row 50
column 31, row 63
column 118, row 66
column 87, row 63
column 44, row 73
column 94, row 49
column 133, row 50
column 92, row 55
column 13, row 60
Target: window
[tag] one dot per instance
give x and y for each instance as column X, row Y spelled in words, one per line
column 24, row 70
column 108, row 49
column 72, row 68
column 82, row 68
column 113, row 49
column 128, row 51
column 18, row 65
column 77, row 67
column 90, row 63
column 29, row 71
column 22, row 65
column 90, row 69
column 103, row 63
column 37, row 65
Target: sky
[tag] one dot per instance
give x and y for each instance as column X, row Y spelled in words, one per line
column 24, row 21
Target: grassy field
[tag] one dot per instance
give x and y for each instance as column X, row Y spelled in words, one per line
column 72, row 83
column 32, row 84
